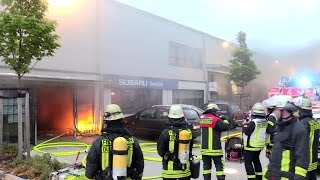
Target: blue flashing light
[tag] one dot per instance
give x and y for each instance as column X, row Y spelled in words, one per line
column 304, row 82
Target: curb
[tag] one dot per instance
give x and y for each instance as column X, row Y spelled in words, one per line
column 5, row 176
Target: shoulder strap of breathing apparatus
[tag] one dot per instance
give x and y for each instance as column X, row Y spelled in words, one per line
column 174, row 139
column 107, row 151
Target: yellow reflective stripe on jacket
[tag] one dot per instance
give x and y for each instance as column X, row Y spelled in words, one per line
column 130, row 150
column 170, row 173
column 105, row 149
column 105, row 152
column 220, row 173
column 226, row 121
column 256, row 141
column 311, row 148
column 252, row 148
column 314, row 125
column 172, row 138
column 300, row 171
column 209, row 152
column 251, row 176
column 270, row 123
column 313, row 166
column 205, row 121
column 206, row 171
column 210, row 138
column 285, row 161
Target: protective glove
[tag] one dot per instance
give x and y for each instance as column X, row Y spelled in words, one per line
column 268, row 152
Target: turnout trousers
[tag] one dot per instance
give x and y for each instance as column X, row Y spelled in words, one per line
column 252, row 164
column 207, row 165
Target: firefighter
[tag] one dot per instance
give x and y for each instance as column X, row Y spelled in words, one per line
column 290, row 153
column 254, row 135
column 211, row 128
column 168, row 146
column 104, row 159
column 312, row 126
column 271, row 129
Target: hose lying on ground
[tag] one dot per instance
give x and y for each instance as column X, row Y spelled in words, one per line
column 144, row 147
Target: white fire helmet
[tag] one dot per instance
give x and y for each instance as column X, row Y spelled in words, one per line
column 176, row 112
column 282, row 102
column 113, row 112
column 213, row 106
column 257, row 109
column 303, row 103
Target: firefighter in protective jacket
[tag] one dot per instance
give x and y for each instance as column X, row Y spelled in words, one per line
column 312, row 126
column 254, row 136
column 99, row 164
column 290, row 153
column 211, row 128
column 271, row 129
column 168, row 146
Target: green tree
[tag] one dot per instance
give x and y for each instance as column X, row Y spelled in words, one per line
column 242, row 68
column 25, row 34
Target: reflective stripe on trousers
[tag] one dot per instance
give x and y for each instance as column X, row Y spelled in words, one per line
column 170, row 173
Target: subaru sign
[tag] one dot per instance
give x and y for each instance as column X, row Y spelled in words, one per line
column 140, row 82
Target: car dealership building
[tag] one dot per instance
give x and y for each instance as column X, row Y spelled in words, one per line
column 114, row 53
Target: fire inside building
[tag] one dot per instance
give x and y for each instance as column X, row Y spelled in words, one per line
column 54, row 109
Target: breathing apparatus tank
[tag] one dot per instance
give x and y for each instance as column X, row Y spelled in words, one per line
column 184, row 145
column 119, row 158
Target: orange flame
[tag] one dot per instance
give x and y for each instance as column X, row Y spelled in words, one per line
column 86, row 121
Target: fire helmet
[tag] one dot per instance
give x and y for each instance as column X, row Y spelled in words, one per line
column 113, row 112
column 213, row 107
column 175, row 112
column 303, row 103
column 257, row 109
column 282, row 102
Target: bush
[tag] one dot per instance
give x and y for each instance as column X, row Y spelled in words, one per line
column 10, row 148
column 37, row 166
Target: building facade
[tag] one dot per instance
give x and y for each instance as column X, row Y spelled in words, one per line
column 113, row 53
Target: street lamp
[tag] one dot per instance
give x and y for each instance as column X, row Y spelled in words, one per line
column 225, row 44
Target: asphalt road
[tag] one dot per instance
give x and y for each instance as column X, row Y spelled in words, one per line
column 234, row 169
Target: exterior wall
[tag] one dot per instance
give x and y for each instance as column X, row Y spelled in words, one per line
column 77, row 27
column 215, row 53
column 137, row 44
column 167, row 97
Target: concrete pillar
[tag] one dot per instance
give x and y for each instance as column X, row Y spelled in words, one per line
column 97, row 106
column 107, row 97
column 166, row 97
column 20, row 128
column 27, row 125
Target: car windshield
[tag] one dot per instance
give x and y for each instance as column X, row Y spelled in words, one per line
column 235, row 108
column 223, row 108
column 191, row 114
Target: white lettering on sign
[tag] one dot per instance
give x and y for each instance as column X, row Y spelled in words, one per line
column 155, row 84
column 131, row 82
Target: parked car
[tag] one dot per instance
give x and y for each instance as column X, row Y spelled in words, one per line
column 231, row 111
column 152, row 121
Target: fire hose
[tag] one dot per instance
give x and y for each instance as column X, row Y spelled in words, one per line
column 144, row 147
